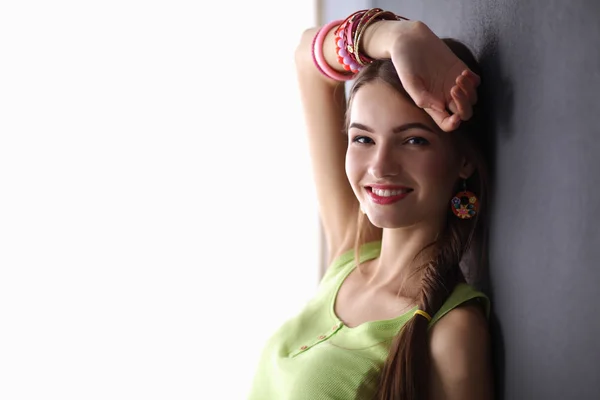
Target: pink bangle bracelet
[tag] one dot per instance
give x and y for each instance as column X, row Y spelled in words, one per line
column 314, row 57
column 319, row 58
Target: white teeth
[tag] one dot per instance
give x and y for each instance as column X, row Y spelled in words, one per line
column 387, row 193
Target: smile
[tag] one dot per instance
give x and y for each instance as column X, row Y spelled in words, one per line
column 387, row 196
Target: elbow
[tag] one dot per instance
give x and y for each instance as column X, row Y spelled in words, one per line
column 303, row 53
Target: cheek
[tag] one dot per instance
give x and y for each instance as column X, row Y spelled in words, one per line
column 355, row 168
column 351, row 166
column 437, row 169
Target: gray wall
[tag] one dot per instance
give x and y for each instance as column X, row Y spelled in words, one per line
column 541, row 64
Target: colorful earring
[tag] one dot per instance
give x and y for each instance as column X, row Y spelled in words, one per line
column 465, row 203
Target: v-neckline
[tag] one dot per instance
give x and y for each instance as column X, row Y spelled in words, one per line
column 368, row 252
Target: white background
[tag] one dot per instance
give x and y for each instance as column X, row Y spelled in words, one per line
column 157, row 214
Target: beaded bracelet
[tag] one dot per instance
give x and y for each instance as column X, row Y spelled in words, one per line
column 349, row 35
column 364, row 23
column 344, row 54
column 356, row 35
column 347, row 39
column 319, row 58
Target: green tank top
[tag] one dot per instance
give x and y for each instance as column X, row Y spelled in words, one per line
column 314, row 356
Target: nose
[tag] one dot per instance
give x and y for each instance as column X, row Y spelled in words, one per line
column 384, row 163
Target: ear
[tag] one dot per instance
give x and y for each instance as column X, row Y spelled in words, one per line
column 466, row 168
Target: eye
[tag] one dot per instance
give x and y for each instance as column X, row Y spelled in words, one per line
column 419, row 141
column 362, row 140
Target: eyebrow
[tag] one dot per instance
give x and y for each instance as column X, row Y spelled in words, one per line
column 398, row 129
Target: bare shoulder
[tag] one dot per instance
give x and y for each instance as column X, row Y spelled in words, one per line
column 461, row 356
column 467, row 319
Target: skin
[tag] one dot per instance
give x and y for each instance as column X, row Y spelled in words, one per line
column 435, row 80
column 422, row 158
column 460, row 349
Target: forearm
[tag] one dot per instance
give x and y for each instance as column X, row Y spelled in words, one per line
column 380, row 37
column 376, row 42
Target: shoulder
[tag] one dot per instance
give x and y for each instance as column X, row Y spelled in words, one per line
column 460, row 354
column 464, row 325
column 462, row 294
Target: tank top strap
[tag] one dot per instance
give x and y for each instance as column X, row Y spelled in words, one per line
column 338, row 266
column 462, row 293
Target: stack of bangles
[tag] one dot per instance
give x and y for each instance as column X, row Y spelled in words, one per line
column 347, row 42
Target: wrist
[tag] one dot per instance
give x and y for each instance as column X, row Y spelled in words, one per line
column 381, row 36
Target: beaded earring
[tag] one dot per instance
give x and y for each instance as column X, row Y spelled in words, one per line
column 465, row 203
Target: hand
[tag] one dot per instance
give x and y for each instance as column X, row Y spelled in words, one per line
column 434, row 77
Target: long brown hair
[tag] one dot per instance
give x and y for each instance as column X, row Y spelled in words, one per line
column 406, row 371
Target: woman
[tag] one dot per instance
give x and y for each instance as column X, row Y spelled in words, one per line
column 401, row 199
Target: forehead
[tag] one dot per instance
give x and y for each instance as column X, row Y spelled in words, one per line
column 378, row 105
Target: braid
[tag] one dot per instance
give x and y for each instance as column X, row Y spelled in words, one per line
column 406, row 370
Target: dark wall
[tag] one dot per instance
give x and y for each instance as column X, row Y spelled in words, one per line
column 541, row 64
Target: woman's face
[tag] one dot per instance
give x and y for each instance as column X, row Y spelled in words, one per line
column 401, row 166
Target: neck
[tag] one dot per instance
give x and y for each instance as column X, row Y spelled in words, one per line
column 396, row 267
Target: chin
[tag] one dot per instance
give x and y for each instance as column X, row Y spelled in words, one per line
column 391, row 222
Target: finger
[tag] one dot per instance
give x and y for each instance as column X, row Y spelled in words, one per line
column 426, row 100
column 460, row 103
column 445, row 121
column 464, row 108
column 422, row 98
column 472, row 76
column 452, row 105
column 467, row 86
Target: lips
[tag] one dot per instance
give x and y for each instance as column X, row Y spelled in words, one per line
column 387, row 194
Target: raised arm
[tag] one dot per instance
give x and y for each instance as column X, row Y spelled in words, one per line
column 429, row 71
column 324, row 104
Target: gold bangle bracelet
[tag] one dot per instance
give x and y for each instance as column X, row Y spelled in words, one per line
column 360, row 30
